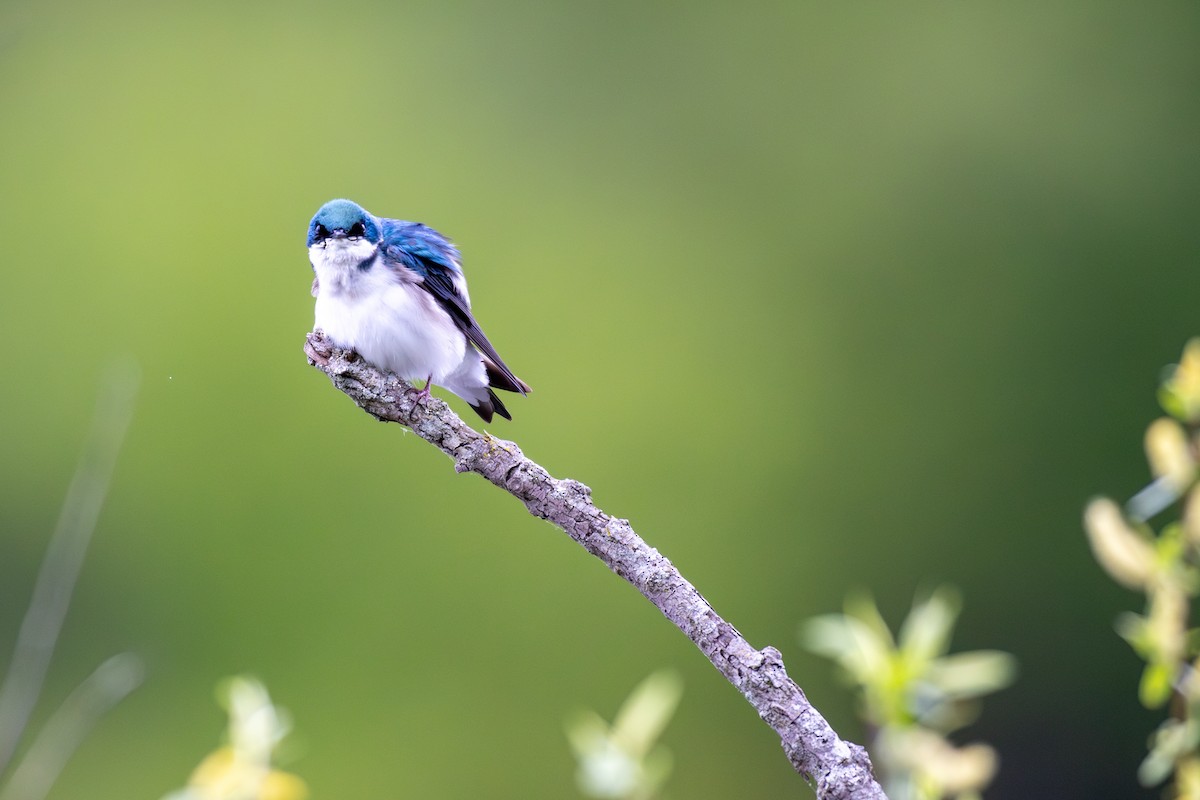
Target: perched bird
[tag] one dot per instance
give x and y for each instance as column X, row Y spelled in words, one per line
column 394, row 292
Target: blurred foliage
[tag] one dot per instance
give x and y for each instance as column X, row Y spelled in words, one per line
column 914, row 693
column 624, row 760
column 815, row 295
column 241, row 769
column 29, row 773
column 1166, row 568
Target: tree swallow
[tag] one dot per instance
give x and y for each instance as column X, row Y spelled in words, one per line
column 394, row 292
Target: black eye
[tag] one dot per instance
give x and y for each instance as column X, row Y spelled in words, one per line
column 357, row 230
column 321, row 234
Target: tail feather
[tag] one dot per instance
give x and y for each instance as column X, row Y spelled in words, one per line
column 499, row 380
column 491, row 405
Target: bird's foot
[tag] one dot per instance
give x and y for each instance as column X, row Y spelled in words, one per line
column 422, row 396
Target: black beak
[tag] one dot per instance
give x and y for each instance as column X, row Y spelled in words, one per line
column 338, row 233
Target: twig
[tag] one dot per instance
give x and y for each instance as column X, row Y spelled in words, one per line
column 837, row 770
column 64, row 558
column 62, row 734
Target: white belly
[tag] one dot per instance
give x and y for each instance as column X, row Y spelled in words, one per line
column 398, row 327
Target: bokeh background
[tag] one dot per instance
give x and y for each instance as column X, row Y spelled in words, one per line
column 820, row 298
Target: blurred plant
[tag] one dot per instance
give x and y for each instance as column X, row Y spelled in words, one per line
column 914, row 694
column 42, row 762
column 1166, row 568
column 241, row 768
column 622, row 760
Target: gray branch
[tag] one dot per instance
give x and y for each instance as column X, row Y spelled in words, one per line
column 837, row 770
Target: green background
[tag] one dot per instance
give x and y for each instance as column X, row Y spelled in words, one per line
column 820, row 298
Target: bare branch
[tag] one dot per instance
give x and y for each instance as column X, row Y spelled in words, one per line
column 837, row 770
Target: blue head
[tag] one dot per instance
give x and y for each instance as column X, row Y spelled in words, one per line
column 342, row 219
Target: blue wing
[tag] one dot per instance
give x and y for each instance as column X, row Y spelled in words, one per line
column 435, row 260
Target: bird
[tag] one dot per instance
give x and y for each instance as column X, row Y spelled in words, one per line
column 394, row 292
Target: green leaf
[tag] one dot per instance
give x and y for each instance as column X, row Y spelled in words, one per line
column 974, row 673
column 1155, row 688
column 925, row 634
column 1134, row 629
column 855, row 645
column 646, row 712
column 861, row 607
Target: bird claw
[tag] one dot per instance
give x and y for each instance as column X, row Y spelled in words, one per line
column 422, row 396
column 318, row 357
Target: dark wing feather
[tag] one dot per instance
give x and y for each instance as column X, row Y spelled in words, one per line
column 431, row 256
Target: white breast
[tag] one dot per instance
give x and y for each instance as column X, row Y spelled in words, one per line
column 393, row 324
